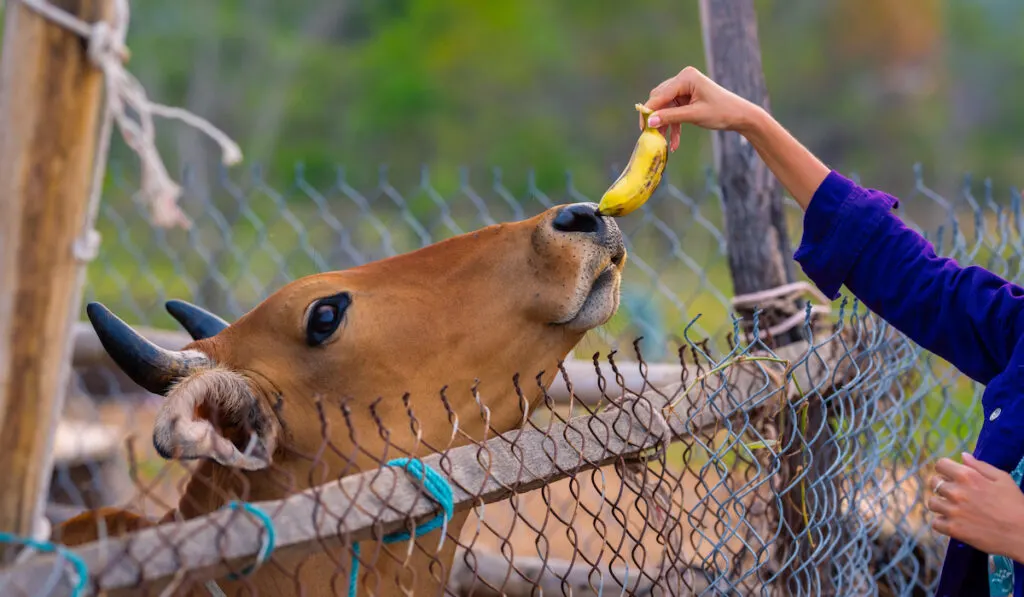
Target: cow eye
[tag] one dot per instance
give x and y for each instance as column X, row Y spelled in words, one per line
column 324, row 318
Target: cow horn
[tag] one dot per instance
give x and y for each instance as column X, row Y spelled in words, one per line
column 198, row 322
column 152, row 367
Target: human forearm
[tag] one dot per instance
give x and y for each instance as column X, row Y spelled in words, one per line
column 799, row 170
column 1011, row 543
column 968, row 316
column 690, row 97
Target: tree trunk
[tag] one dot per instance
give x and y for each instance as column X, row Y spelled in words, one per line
column 760, row 259
column 759, row 251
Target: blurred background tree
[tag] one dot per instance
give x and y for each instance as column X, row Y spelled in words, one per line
column 872, row 85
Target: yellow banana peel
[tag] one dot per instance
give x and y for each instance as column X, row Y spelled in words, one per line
column 642, row 174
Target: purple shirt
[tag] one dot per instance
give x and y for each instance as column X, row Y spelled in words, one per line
column 967, row 315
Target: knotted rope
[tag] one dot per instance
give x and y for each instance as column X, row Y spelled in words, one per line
column 266, row 549
column 81, row 572
column 126, row 96
column 782, row 299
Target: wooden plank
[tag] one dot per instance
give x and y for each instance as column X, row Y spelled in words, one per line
column 584, row 380
column 386, row 498
column 79, row 442
column 50, row 98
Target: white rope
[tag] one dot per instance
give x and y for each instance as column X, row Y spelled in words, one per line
column 126, row 96
column 795, row 288
column 783, row 299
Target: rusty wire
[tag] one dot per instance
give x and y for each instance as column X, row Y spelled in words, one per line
column 707, row 515
column 640, row 518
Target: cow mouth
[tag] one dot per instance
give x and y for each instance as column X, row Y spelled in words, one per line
column 602, row 285
column 602, row 299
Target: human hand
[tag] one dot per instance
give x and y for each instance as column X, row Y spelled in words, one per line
column 980, row 505
column 691, row 97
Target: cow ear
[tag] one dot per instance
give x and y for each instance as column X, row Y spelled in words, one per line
column 216, row 414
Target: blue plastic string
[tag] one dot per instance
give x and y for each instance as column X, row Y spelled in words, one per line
column 268, row 544
column 439, row 489
column 81, row 570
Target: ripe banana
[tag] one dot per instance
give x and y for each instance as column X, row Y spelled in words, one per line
column 642, row 174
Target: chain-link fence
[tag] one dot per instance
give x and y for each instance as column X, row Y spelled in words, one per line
column 751, row 496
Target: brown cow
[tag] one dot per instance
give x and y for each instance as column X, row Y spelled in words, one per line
column 478, row 308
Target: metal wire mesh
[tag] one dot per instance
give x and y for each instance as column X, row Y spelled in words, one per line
column 755, row 495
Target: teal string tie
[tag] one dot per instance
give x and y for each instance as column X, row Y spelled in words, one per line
column 440, row 491
column 268, row 544
column 81, row 570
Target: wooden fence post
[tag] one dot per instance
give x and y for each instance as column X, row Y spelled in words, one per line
column 759, row 251
column 50, row 98
column 760, row 258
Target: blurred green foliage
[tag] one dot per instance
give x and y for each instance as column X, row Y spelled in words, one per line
column 873, row 86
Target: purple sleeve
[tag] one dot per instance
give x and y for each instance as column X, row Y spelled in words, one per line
column 966, row 315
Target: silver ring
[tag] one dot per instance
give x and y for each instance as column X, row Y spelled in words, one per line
column 937, row 486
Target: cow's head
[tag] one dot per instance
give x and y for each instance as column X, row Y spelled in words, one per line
column 474, row 310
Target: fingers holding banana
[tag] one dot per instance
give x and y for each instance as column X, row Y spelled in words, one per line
column 673, row 130
column 689, row 97
column 642, row 174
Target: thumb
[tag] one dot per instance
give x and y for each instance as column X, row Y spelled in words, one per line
column 688, row 114
column 987, row 470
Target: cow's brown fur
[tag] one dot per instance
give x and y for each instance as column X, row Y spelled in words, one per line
column 474, row 310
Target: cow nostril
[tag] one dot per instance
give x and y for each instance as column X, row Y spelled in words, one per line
column 577, row 218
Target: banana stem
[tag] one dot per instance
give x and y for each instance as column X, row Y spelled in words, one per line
column 646, row 112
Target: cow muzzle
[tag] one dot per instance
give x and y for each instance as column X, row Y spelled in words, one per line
column 603, row 255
